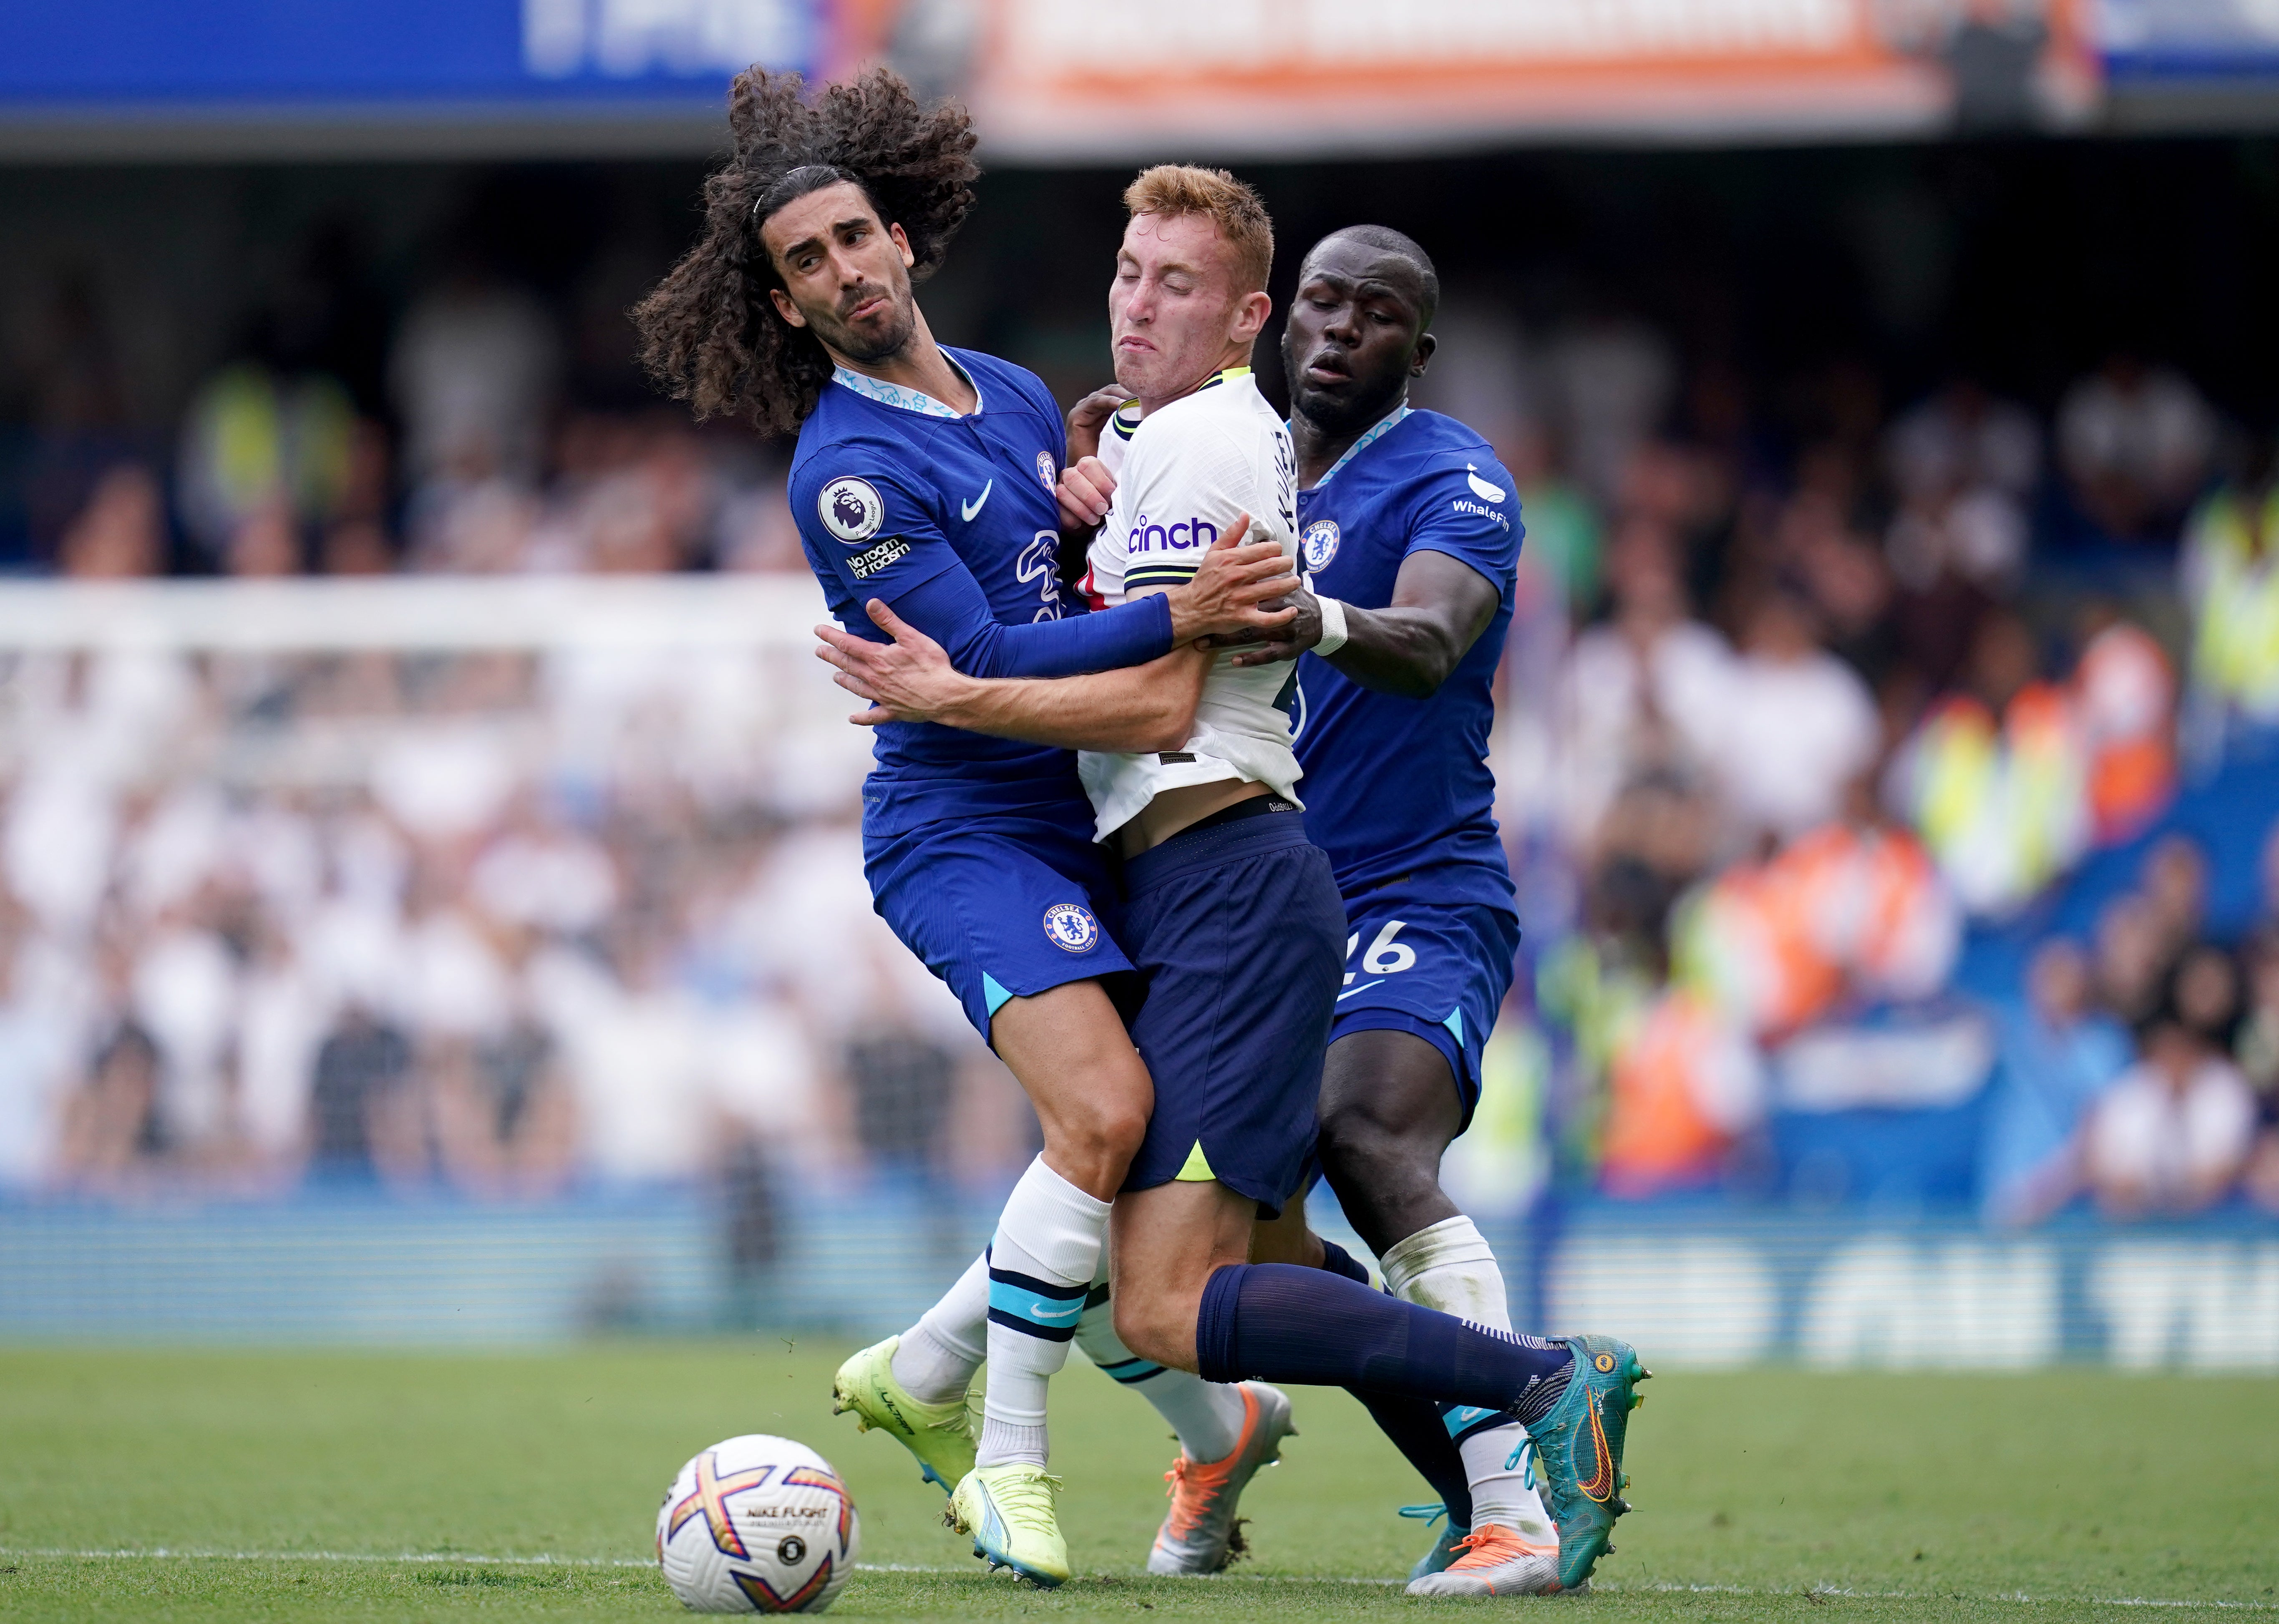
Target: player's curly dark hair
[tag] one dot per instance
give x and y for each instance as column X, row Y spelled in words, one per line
column 710, row 334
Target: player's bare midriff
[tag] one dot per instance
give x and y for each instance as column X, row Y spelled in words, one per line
column 1174, row 809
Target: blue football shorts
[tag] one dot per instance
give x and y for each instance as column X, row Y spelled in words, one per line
column 1001, row 905
column 1236, row 931
column 1436, row 969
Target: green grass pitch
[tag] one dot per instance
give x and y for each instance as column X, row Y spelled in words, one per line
column 195, row 1485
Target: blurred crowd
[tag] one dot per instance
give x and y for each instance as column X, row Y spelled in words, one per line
column 1796, row 704
column 1805, row 687
column 497, row 923
column 469, row 445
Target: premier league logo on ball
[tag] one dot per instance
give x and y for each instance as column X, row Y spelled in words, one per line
column 851, row 509
column 1320, row 543
column 1072, row 929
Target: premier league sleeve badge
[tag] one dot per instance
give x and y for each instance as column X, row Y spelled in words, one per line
column 851, row 509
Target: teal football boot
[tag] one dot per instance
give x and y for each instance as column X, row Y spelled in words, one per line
column 1578, row 1449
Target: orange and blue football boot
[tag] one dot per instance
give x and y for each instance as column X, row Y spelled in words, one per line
column 1495, row 1560
column 1201, row 1534
column 1578, row 1449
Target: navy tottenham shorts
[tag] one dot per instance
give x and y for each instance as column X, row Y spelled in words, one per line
column 1436, row 969
column 1000, row 906
column 1237, row 932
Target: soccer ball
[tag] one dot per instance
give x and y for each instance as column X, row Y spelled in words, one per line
column 756, row 1524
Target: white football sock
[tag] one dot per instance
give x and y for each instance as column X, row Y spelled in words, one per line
column 1450, row 1265
column 936, row 1359
column 1040, row 1266
column 1207, row 1415
column 1499, row 1465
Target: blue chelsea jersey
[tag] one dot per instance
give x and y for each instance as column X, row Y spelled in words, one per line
column 891, row 489
column 1399, row 786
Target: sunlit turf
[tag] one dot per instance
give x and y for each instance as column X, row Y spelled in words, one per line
column 289, row 1486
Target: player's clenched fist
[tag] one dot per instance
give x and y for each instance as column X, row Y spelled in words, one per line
column 1084, row 492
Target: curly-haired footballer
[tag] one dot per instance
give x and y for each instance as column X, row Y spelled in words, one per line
column 923, row 480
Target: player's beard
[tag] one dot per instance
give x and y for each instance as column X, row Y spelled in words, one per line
column 875, row 344
column 1337, row 415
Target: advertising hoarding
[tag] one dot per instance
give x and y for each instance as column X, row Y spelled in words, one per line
column 1071, row 80
column 222, row 77
column 1363, row 76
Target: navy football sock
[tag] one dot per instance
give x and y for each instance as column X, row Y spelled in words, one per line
column 1279, row 1322
column 1413, row 1424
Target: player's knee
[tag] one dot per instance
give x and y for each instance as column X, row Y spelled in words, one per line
column 1356, row 1139
column 1101, row 1139
column 1133, row 1327
column 1117, row 1129
column 1155, row 1327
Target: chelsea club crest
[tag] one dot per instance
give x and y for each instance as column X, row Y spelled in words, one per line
column 1045, row 469
column 1320, row 545
column 1072, row 928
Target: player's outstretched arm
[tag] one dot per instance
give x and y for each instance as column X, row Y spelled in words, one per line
column 1440, row 605
column 1149, row 706
column 1226, row 598
column 888, row 544
column 1140, row 709
column 1235, row 595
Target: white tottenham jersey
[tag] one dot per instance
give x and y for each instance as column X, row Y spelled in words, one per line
column 1184, row 473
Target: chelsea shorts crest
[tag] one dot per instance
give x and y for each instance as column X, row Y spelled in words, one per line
column 1003, row 905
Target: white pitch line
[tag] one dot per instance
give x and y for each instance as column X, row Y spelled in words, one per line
column 2154, row 1602
column 470, row 1559
column 2019, row 1597
column 477, row 1559
column 480, row 1559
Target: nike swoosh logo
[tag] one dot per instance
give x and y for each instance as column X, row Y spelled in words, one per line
column 1602, row 1484
column 1365, row 987
column 971, row 508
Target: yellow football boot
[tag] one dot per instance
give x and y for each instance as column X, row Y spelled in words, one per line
column 939, row 1435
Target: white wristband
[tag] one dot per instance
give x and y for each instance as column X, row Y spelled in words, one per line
column 1333, row 626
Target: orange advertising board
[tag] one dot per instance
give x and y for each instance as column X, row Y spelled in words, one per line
column 1115, row 77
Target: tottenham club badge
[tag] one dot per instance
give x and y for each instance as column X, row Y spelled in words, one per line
column 851, row 509
column 1320, row 543
column 1072, row 929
